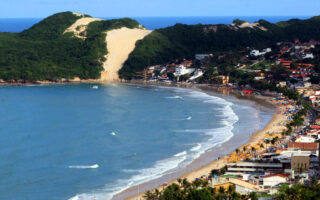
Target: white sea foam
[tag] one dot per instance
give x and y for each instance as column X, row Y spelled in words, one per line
column 196, row 148
column 159, row 169
column 174, row 97
column 180, row 154
column 84, row 166
column 217, row 136
column 189, row 118
column 113, row 133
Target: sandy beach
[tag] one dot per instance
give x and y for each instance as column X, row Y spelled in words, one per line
column 273, row 126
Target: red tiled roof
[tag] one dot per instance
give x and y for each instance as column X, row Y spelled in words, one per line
column 282, row 175
column 315, row 126
column 303, row 146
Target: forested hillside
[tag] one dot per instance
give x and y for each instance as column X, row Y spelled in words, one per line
column 44, row 52
column 184, row 41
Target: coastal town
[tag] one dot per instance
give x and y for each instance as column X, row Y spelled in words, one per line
column 283, row 157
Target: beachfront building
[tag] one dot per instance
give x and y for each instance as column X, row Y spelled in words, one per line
column 182, row 70
column 254, row 168
column 197, row 74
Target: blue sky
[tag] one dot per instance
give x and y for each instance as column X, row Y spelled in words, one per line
column 141, row 8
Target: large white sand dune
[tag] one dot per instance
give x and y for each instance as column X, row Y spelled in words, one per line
column 120, row 43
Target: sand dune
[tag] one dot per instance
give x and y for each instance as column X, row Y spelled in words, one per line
column 80, row 26
column 120, row 43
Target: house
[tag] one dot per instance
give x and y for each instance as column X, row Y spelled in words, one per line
column 274, row 179
column 308, row 55
column 304, row 139
column 258, row 53
column 240, row 186
column 197, row 74
column 282, row 84
column 202, row 56
column 182, row 70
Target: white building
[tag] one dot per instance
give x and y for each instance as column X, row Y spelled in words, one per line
column 308, row 55
column 202, row 56
column 258, row 53
column 197, row 74
column 182, row 70
column 304, row 139
column 274, row 179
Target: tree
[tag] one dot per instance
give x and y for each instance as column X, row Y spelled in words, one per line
column 261, row 146
column 244, row 148
column 267, row 141
column 237, row 151
column 202, row 194
column 253, row 196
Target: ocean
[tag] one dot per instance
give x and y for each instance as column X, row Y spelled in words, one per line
column 75, row 142
column 151, row 23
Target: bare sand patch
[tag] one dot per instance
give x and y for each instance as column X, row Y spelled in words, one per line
column 120, row 43
column 80, row 26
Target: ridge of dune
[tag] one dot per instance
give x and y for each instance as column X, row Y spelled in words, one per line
column 120, row 43
column 79, row 27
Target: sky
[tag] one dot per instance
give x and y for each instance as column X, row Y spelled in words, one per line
column 157, row 8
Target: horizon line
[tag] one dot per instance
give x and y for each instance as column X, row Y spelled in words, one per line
column 171, row 16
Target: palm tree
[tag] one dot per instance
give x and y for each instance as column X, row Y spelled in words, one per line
column 273, row 141
column 253, row 150
column 237, row 151
column 244, row 148
column 157, row 194
column 186, row 184
column 179, row 180
column 267, row 141
column 148, row 195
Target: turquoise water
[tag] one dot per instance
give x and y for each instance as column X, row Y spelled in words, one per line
column 64, row 141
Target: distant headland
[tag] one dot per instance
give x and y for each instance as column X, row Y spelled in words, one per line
column 72, row 47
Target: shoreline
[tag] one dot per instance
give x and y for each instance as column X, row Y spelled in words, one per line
column 197, row 167
column 196, row 170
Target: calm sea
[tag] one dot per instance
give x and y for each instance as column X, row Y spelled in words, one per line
column 151, row 23
column 73, row 141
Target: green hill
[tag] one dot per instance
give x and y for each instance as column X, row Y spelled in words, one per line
column 179, row 41
column 44, row 52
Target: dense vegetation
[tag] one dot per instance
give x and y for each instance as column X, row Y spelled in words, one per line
column 201, row 190
column 44, row 52
column 184, row 41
